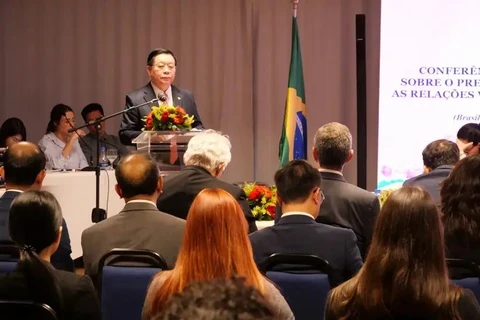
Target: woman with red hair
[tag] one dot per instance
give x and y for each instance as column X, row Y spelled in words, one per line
column 215, row 245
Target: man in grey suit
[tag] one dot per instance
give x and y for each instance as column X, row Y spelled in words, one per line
column 439, row 158
column 139, row 225
column 161, row 67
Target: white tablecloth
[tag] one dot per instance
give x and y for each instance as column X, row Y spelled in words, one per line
column 75, row 191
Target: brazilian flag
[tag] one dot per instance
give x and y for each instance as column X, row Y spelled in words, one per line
column 293, row 143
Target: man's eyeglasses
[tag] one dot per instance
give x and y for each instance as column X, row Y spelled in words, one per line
column 322, row 196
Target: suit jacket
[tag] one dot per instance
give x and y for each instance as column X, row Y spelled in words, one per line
column 138, row 226
column 180, row 190
column 297, row 234
column 132, row 124
column 348, row 206
column 431, row 181
column 61, row 258
column 109, row 141
column 80, row 301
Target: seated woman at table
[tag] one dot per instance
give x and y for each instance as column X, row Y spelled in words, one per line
column 35, row 224
column 12, row 131
column 405, row 274
column 61, row 147
column 215, row 245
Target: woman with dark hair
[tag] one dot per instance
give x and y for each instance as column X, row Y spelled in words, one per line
column 215, row 245
column 468, row 139
column 12, row 131
column 61, row 147
column 405, row 274
column 460, row 194
column 35, row 224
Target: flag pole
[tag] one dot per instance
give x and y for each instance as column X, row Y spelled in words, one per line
column 295, row 5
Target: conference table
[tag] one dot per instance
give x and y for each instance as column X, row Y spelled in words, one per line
column 75, row 191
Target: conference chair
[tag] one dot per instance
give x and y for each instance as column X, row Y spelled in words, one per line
column 9, row 256
column 304, row 281
column 15, row 310
column 472, row 282
column 124, row 277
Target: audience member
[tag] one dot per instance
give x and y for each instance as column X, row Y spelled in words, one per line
column 207, row 156
column 35, row 225
column 218, row 299
column 461, row 212
column 24, row 169
column 92, row 112
column 12, row 131
column 139, row 225
column 439, row 157
column 345, row 205
column 61, row 147
column 468, row 137
column 300, row 195
column 215, row 245
column 405, row 273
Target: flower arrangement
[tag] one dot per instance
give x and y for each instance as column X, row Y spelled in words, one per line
column 167, row 118
column 383, row 196
column 262, row 200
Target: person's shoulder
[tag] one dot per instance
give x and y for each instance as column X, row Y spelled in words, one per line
column 73, row 280
column 182, row 91
column 167, row 219
column 47, row 138
column 354, row 192
column 140, row 91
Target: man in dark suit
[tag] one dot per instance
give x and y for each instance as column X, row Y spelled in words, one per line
column 299, row 192
column 207, row 156
column 139, row 225
column 439, row 157
column 161, row 67
column 24, row 169
column 345, row 205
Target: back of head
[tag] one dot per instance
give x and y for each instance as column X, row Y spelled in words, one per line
column 90, row 108
column 35, row 219
column 333, row 144
column 296, row 181
column 22, row 164
column 137, row 175
column 405, row 274
column 11, row 127
column 440, row 153
column 218, row 299
column 215, row 245
column 460, row 194
column 469, row 132
column 209, row 150
column 56, row 114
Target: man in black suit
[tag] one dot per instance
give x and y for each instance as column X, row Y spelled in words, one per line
column 139, row 225
column 299, row 192
column 345, row 205
column 161, row 67
column 24, row 169
column 207, row 156
column 439, row 157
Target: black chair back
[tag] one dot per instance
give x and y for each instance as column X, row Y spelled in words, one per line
column 470, row 266
column 15, row 310
column 9, row 251
column 283, row 261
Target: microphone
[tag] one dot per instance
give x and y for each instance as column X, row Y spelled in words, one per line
column 162, row 97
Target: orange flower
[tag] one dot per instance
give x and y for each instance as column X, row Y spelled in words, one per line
column 149, row 121
column 180, row 110
column 178, row 119
column 164, row 116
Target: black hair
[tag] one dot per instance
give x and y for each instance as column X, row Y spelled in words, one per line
column 137, row 183
column 226, row 299
column 34, row 222
column 55, row 115
column 470, row 132
column 22, row 168
column 11, row 127
column 439, row 153
column 296, row 181
column 90, row 108
column 156, row 52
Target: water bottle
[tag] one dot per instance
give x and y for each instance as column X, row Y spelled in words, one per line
column 103, row 161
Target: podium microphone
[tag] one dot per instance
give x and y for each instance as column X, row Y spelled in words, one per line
column 162, row 97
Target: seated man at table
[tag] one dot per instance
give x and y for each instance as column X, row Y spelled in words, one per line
column 139, row 225
column 24, row 169
column 92, row 112
column 207, row 156
column 299, row 193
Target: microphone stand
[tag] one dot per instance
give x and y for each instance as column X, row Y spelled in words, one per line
column 99, row 214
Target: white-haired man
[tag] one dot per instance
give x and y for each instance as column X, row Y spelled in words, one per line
column 207, row 156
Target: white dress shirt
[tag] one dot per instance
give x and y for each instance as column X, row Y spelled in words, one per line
column 297, row 213
column 168, row 93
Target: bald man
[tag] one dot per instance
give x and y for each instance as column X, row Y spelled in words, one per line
column 24, row 169
column 139, row 225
